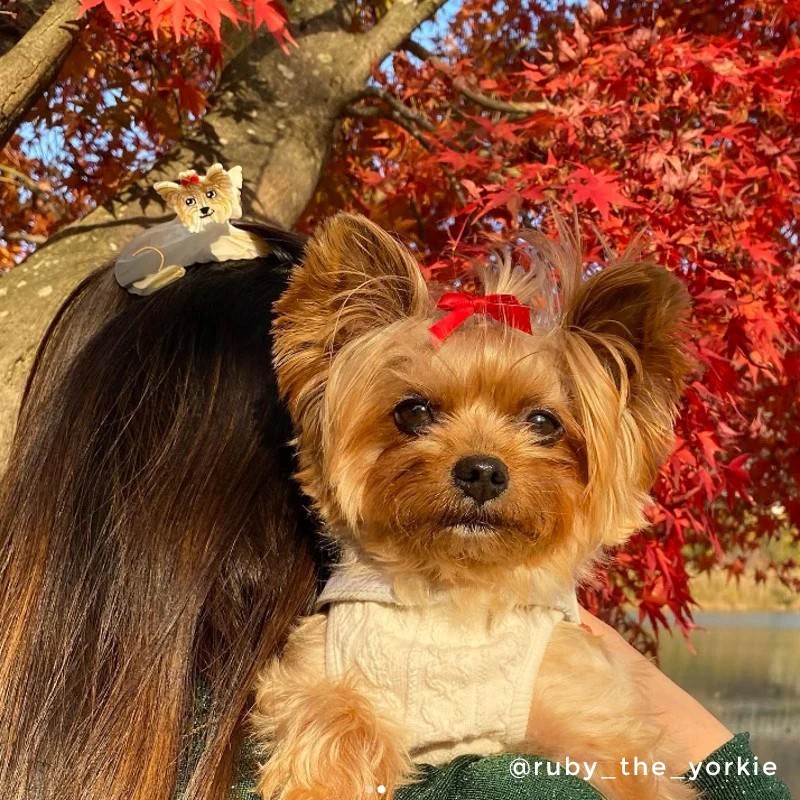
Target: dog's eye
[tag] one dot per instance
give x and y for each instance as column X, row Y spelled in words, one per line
column 413, row 416
column 546, row 426
column 190, row 201
column 211, row 194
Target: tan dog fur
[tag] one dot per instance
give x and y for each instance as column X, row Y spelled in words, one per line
column 352, row 340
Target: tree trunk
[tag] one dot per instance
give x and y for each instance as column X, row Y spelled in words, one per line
column 26, row 71
column 277, row 123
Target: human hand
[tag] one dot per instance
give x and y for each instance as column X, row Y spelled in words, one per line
column 691, row 724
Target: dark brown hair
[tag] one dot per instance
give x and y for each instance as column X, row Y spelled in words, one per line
column 153, row 548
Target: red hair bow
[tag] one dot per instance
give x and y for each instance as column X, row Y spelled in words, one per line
column 502, row 307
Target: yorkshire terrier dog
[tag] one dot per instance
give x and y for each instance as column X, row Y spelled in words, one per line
column 199, row 200
column 472, row 457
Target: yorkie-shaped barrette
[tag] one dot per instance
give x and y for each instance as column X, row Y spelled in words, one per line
column 201, row 232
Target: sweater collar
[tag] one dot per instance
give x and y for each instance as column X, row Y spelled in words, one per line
column 359, row 582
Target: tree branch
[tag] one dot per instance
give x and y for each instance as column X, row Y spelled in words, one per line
column 277, row 121
column 495, row 104
column 16, row 18
column 28, row 68
column 404, row 17
column 418, row 50
column 73, row 230
column 22, row 236
column 399, row 107
column 479, row 98
column 372, row 112
column 28, row 182
column 402, row 110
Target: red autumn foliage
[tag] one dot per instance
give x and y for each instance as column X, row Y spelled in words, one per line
column 181, row 17
column 138, row 77
column 676, row 120
column 117, row 103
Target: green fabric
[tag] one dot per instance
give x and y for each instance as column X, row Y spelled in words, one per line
column 477, row 778
column 752, row 787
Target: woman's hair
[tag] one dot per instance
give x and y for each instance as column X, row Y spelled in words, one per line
column 153, row 548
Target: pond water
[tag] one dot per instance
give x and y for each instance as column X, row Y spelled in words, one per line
column 747, row 673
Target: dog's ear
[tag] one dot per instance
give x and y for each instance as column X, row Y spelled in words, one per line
column 214, row 169
column 631, row 317
column 219, row 180
column 635, row 307
column 355, row 278
column 169, row 191
column 235, row 174
column 227, row 191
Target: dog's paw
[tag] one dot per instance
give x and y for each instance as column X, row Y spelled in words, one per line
column 335, row 747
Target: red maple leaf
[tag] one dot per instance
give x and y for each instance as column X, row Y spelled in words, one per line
column 177, row 16
column 114, row 7
column 602, row 188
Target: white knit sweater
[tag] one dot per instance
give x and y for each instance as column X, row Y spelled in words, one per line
column 458, row 682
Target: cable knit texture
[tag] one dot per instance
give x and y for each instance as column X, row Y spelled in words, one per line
column 459, row 681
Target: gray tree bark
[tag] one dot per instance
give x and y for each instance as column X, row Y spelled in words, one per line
column 275, row 117
column 27, row 69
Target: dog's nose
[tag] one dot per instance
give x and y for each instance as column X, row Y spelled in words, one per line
column 204, row 210
column 481, row 477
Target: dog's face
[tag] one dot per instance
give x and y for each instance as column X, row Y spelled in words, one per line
column 463, row 455
column 200, row 200
column 490, row 450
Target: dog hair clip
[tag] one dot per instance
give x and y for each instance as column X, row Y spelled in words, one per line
column 200, row 233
